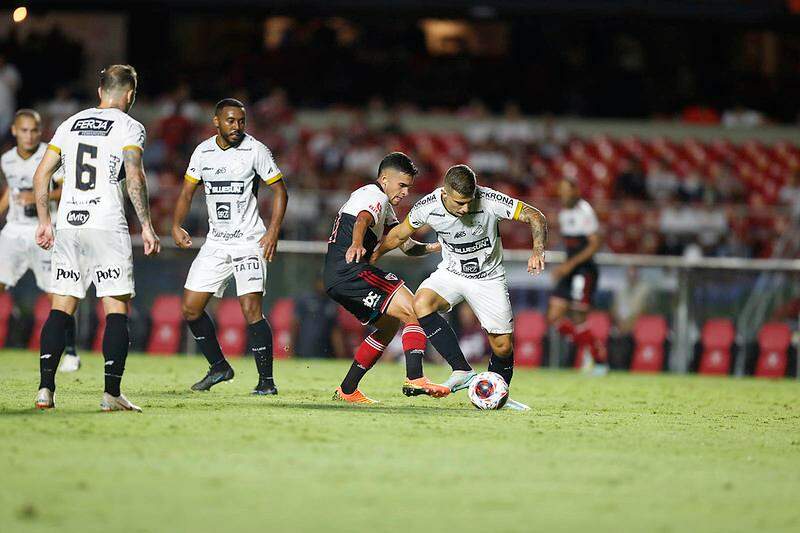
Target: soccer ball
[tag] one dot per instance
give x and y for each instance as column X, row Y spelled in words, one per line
column 488, row 390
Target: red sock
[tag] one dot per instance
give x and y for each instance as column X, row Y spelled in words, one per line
column 414, row 341
column 369, row 352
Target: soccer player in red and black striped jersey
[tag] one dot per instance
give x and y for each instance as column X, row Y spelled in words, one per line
column 377, row 298
column 576, row 278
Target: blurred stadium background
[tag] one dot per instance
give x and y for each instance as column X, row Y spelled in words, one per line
column 679, row 118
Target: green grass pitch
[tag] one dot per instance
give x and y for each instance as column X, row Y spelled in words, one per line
column 621, row 453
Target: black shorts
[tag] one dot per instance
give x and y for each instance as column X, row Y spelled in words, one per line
column 366, row 293
column 579, row 286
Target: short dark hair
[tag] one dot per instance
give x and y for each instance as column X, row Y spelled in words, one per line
column 227, row 102
column 398, row 161
column 461, row 179
column 31, row 113
column 118, row 77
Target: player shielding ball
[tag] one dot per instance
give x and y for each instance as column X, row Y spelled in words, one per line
column 374, row 296
column 465, row 217
column 18, row 249
column 99, row 148
column 576, row 278
column 231, row 165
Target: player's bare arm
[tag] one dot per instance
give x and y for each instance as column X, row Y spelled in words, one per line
column 6, row 192
column 280, row 197
column 396, row 238
column 182, row 207
column 414, row 248
column 41, row 192
column 356, row 251
column 137, row 191
column 538, row 223
column 595, row 241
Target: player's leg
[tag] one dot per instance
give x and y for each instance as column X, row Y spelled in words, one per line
column 259, row 341
column 116, row 340
column 193, row 307
column 367, row 354
column 51, row 347
column 502, row 359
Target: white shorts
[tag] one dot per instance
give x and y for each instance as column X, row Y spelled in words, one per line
column 216, row 265
column 488, row 298
column 19, row 253
column 85, row 256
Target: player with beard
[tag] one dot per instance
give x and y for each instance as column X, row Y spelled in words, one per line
column 377, row 298
column 231, row 165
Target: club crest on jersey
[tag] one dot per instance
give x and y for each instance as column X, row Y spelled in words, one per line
column 78, row 218
column 391, row 277
column 224, row 187
column 93, row 126
column 477, row 230
column 223, row 210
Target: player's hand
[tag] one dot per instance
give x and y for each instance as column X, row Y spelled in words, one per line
column 44, row 235
column 433, row 247
column 152, row 244
column 269, row 243
column 181, row 237
column 536, row 263
column 560, row 271
column 355, row 253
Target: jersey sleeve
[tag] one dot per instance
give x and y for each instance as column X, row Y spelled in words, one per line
column 58, row 175
column 418, row 216
column 57, row 142
column 501, row 205
column 589, row 223
column 265, row 165
column 194, row 172
column 391, row 217
column 134, row 136
column 369, row 199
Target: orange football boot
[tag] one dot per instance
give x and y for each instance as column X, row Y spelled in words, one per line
column 419, row 386
column 355, row 397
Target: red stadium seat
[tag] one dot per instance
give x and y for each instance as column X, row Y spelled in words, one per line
column 649, row 334
column 530, row 329
column 281, row 319
column 41, row 310
column 6, row 310
column 167, row 321
column 717, row 342
column 773, row 346
column 599, row 323
column 231, row 327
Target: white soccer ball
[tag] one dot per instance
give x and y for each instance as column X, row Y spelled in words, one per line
column 488, row 390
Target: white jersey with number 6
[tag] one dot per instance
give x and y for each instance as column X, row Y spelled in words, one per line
column 91, row 144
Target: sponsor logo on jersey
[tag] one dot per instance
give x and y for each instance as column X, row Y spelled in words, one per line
column 93, row 126
column 220, row 170
column 109, row 273
column 470, row 266
column 469, row 247
column 425, row 201
column 223, row 210
column 224, row 187
column 460, row 234
column 227, row 235
column 496, row 197
column 63, row 273
column 78, row 218
column 113, row 169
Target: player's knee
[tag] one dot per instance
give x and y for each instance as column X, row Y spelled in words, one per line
column 251, row 309
column 190, row 314
column 502, row 347
column 422, row 306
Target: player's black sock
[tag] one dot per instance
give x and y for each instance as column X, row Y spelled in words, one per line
column 444, row 339
column 115, row 350
column 503, row 366
column 353, row 378
column 259, row 342
column 69, row 336
column 51, row 346
column 205, row 335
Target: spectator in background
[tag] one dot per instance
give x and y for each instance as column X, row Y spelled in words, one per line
column 692, row 188
column 61, row 107
column 789, row 195
column 631, row 183
column 632, row 299
column 741, row 117
column 9, row 85
column 513, row 127
column 551, row 138
column 316, row 331
column 661, row 182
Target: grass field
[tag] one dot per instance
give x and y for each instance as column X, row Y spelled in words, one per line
column 622, row 453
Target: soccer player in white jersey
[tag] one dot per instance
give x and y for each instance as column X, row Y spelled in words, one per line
column 576, row 278
column 231, row 165
column 18, row 250
column 99, row 148
column 465, row 217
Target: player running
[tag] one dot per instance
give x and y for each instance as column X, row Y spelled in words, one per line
column 17, row 240
column 576, row 278
column 376, row 297
column 465, row 218
column 231, row 165
column 98, row 148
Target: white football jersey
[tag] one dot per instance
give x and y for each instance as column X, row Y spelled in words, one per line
column 19, row 177
column 372, row 199
column 91, row 144
column 230, row 178
column 578, row 221
column 471, row 245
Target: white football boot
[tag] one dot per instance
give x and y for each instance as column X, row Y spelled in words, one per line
column 117, row 403
column 70, row 363
column 459, row 379
column 514, row 405
column 45, row 399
